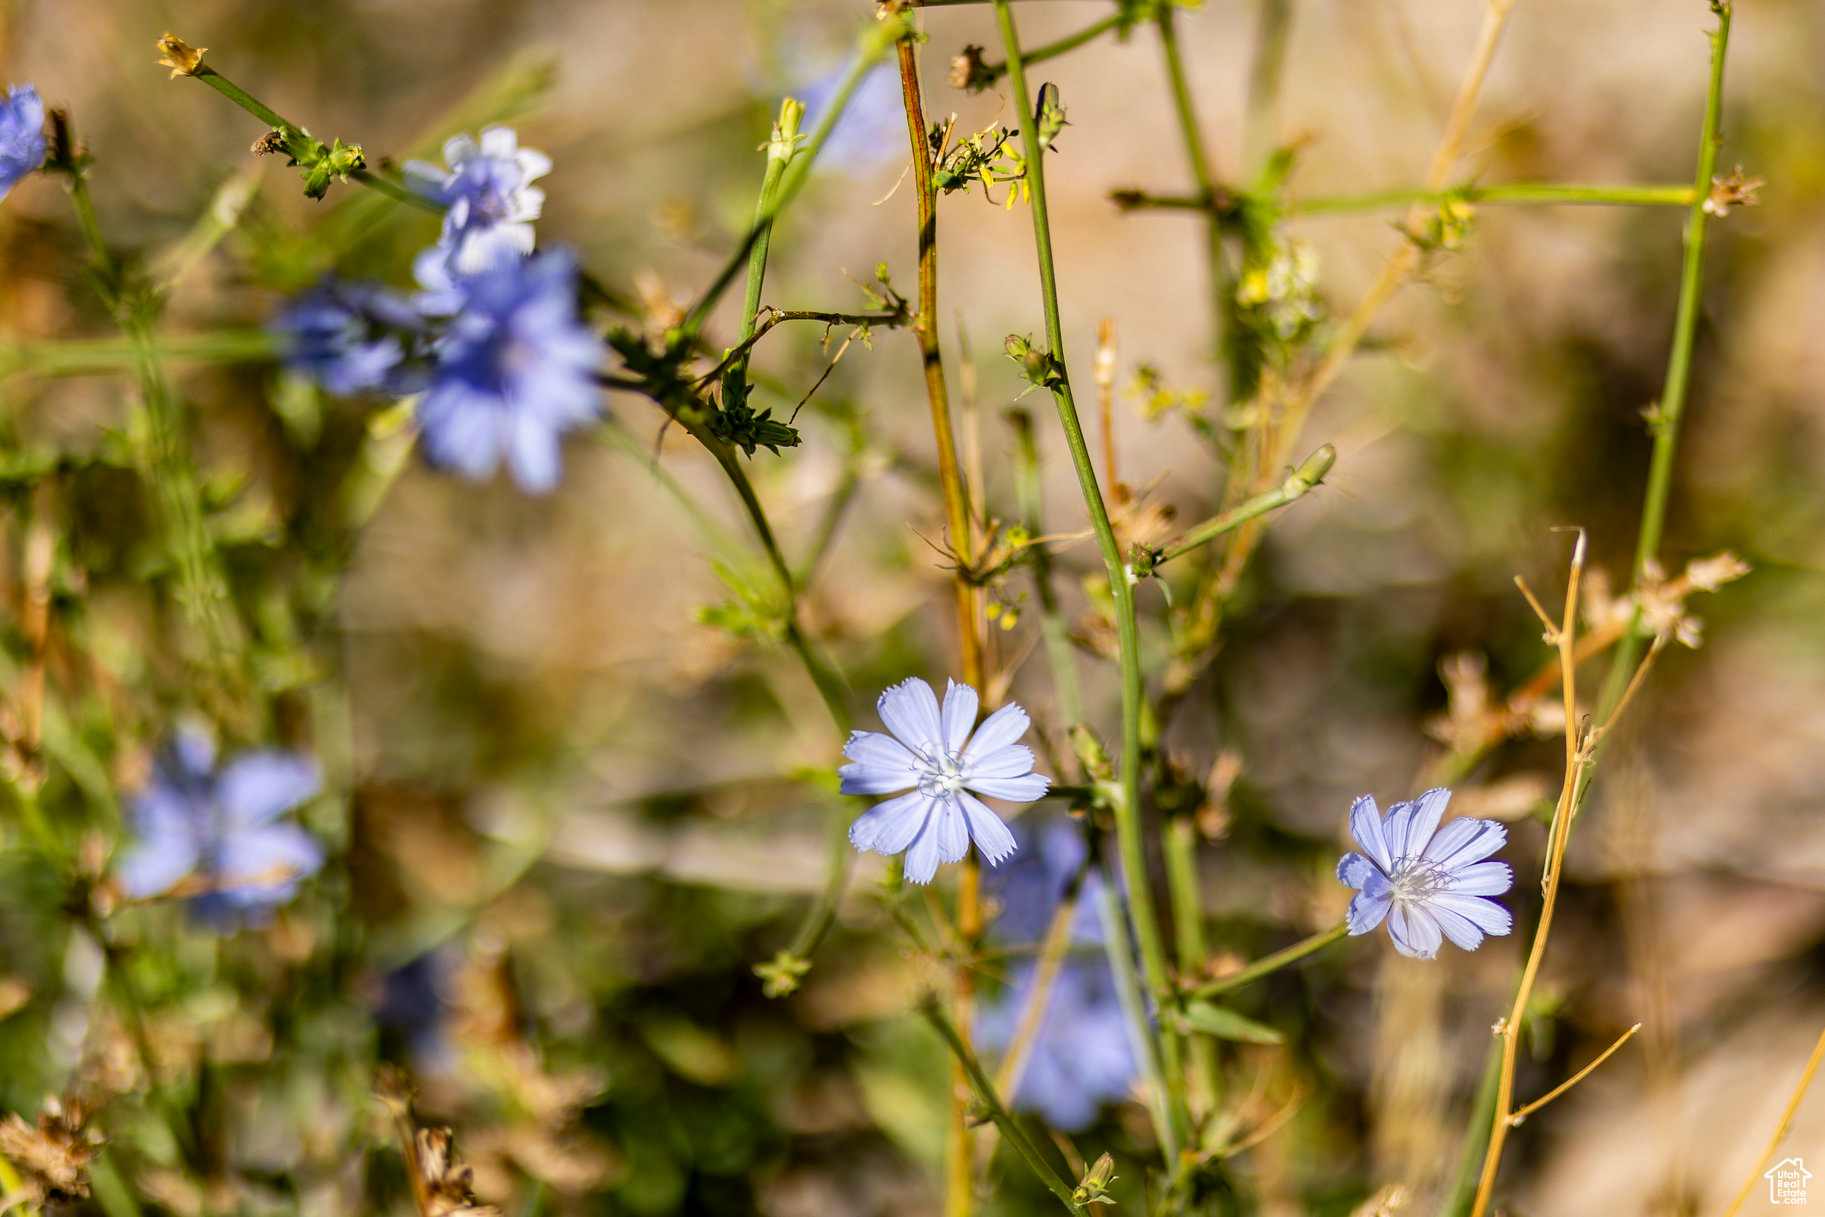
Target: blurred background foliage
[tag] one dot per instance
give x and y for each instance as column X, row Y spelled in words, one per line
column 568, row 816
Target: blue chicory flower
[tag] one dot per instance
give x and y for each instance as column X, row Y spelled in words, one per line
column 933, row 757
column 22, row 147
column 1028, row 889
column 491, row 202
column 514, row 369
column 1081, row 1058
column 1429, row 883
column 870, row 134
column 350, row 337
column 222, row 829
column 1083, row 1055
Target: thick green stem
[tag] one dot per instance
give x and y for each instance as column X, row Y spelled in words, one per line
column 1270, row 963
column 1128, row 809
column 1667, row 415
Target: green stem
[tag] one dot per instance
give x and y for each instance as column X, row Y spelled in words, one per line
column 377, row 182
column 1053, row 628
column 85, row 356
column 242, row 98
column 998, row 1112
column 875, row 43
column 163, row 462
column 399, row 193
column 1513, row 192
column 1667, row 415
column 1128, row 809
column 1222, row 290
column 1264, row 77
column 1270, row 963
column 992, row 72
column 1182, row 889
column 1297, row 485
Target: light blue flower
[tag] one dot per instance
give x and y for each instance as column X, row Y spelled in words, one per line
column 1028, row 890
column 1083, row 1055
column 221, row 830
column 491, row 202
column 1081, row 1058
column 21, row 136
column 870, row 134
column 513, row 370
column 349, row 337
column 1429, row 883
column 933, row 757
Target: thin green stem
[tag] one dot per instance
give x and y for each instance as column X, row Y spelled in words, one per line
column 297, row 140
column 1128, row 809
column 1298, row 483
column 1268, row 964
column 998, row 1112
column 1667, row 415
column 1512, row 192
column 241, row 97
column 380, row 183
column 1054, row 630
column 992, row 72
column 1265, row 74
column 203, row 589
column 876, row 41
column 1182, row 890
column 86, row 356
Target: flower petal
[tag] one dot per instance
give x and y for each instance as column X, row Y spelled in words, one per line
column 1008, row 761
column 266, row 863
column 1005, row 726
column 1365, row 826
column 1482, row 879
column 1464, row 841
column 1414, row 931
column 910, row 710
column 457, row 149
column 888, row 828
column 533, row 453
column 1458, row 928
column 1023, row 789
column 259, row 787
column 1367, row 910
column 1422, row 821
column 986, row 829
column 882, row 764
column 922, row 856
column 499, row 141
column 959, row 715
column 1353, row 870
column 952, row 829
column 1489, row 916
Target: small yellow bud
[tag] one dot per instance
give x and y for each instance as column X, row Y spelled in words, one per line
column 182, row 58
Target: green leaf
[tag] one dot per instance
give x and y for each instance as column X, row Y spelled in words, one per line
column 1206, row 1018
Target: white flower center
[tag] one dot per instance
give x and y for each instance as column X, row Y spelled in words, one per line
column 941, row 777
column 1416, row 880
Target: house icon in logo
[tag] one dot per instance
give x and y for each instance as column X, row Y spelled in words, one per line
column 1787, row 1181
